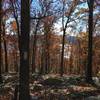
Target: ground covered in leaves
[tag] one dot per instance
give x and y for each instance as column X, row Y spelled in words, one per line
column 52, row 87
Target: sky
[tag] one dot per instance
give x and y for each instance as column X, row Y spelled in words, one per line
column 79, row 26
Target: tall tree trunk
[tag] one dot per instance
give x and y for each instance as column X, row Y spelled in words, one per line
column 5, row 48
column 47, row 50
column 34, row 53
column 79, row 58
column 24, row 51
column 18, row 26
column 0, row 57
column 34, row 48
column 47, row 60
column 62, row 54
column 15, row 61
column 71, row 60
column 42, row 61
column 0, row 42
column 6, row 60
column 64, row 26
column 90, row 37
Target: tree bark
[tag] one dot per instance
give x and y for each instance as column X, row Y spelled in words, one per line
column 24, row 51
column 5, row 47
column 18, row 27
column 62, row 54
column 90, row 39
column 0, row 42
column 34, row 48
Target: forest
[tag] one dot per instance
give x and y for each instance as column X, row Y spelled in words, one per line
column 49, row 50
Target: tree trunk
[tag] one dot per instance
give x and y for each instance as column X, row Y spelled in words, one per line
column 62, row 54
column 24, row 51
column 46, row 52
column 0, row 43
column 34, row 53
column 71, row 61
column 90, row 37
column 5, row 48
column 18, row 27
column 34, row 48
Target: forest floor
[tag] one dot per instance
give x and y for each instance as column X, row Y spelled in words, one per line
column 52, row 87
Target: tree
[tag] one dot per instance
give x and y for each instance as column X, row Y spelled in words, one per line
column 34, row 47
column 90, row 39
column 64, row 27
column 5, row 46
column 16, row 26
column 0, row 41
column 15, row 9
column 45, row 23
column 24, row 51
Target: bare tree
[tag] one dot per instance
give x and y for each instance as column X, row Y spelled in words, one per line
column 64, row 27
column 90, row 39
column 0, row 42
column 5, row 46
column 24, row 51
column 34, row 46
